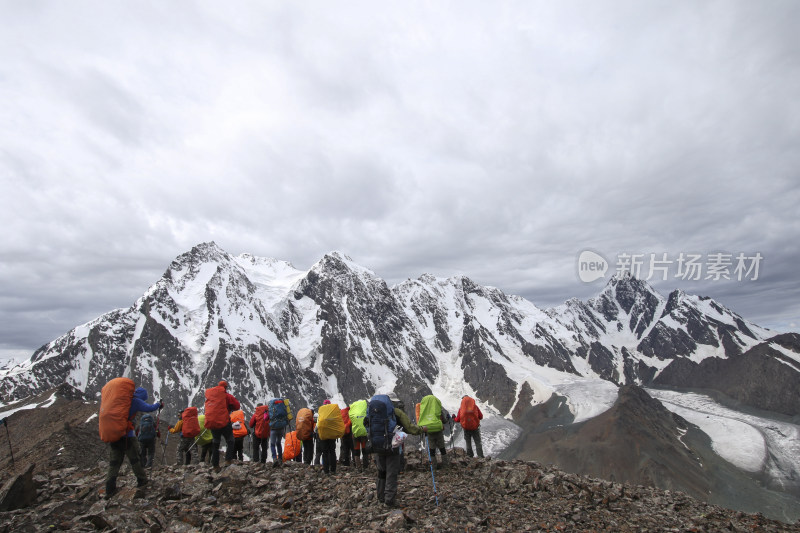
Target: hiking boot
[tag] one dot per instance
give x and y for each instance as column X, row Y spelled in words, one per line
column 391, row 503
column 275, row 464
column 111, row 488
column 141, row 482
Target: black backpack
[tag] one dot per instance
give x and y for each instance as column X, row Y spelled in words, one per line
column 147, row 428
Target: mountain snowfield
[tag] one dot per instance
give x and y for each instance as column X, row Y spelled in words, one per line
column 338, row 331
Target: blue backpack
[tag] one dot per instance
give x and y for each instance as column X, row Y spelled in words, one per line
column 147, row 428
column 278, row 416
column 380, row 414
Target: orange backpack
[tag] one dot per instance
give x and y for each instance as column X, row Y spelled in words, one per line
column 217, row 408
column 291, row 446
column 115, row 406
column 416, row 412
column 239, row 426
column 262, row 424
column 468, row 414
column 191, row 426
column 305, row 424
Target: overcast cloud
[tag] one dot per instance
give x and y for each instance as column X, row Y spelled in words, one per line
column 495, row 140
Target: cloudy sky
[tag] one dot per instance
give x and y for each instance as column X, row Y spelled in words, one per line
column 495, row 140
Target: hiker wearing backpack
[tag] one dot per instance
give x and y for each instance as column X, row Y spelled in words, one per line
column 305, row 425
column 120, row 401
column 240, row 431
column 330, row 426
column 358, row 412
column 204, row 439
column 469, row 416
column 147, row 434
column 260, row 424
column 346, row 446
column 219, row 404
column 279, row 416
column 387, row 426
column 189, row 428
column 432, row 418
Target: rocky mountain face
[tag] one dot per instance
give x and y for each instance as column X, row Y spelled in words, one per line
column 57, row 482
column 339, row 331
column 639, row 441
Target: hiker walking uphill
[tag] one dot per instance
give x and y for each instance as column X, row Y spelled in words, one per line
column 279, row 416
column 330, row 427
column 240, row 431
column 147, row 434
column 189, row 428
column 383, row 421
column 432, row 420
column 305, row 432
column 470, row 416
column 120, row 400
column 260, row 424
column 346, row 446
column 204, row 440
column 219, row 404
column 358, row 412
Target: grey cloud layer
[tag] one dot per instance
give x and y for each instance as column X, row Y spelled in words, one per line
column 495, row 142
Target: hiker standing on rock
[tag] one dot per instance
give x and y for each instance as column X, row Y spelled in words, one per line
column 260, row 424
column 330, row 426
column 120, row 401
column 204, row 440
column 346, row 446
column 147, row 434
column 240, row 431
column 469, row 416
column 189, row 428
column 382, row 421
column 279, row 417
column 219, row 404
column 432, row 420
column 358, row 412
column 305, row 426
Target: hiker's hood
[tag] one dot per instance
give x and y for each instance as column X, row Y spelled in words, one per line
column 140, row 393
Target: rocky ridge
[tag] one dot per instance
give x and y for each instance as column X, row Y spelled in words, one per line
column 473, row 495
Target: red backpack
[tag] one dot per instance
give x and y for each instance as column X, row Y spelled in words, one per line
column 190, row 427
column 217, row 416
column 468, row 414
column 262, row 422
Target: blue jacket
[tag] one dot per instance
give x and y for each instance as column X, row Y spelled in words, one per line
column 139, row 403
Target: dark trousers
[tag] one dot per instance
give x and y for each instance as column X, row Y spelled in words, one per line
column 218, row 435
column 346, row 449
column 148, row 447
column 124, row 447
column 238, row 448
column 260, row 449
column 388, row 468
column 205, row 453
column 308, row 451
column 329, row 455
column 475, row 435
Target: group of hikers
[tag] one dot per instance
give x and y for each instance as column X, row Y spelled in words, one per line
column 378, row 427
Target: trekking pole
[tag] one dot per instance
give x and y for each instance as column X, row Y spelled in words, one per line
column 430, row 462
column 164, row 448
column 451, row 434
column 5, row 423
column 196, row 440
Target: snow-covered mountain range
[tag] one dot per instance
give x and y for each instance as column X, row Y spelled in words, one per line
column 339, row 331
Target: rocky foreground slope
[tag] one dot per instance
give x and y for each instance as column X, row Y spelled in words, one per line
column 473, row 495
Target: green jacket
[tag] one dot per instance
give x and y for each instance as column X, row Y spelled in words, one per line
column 403, row 420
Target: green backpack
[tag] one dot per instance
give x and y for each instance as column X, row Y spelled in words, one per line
column 430, row 413
column 205, row 437
column 358, row 412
